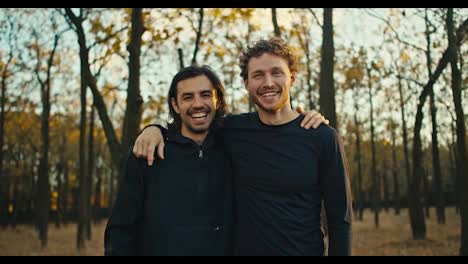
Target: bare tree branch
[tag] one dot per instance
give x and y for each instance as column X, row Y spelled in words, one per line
column 107, row 37
column 315, row 16
column 394, row 31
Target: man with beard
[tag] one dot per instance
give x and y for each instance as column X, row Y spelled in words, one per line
column 282, row 172
column 183, row 205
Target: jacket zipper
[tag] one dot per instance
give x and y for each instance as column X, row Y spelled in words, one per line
column 200, row 154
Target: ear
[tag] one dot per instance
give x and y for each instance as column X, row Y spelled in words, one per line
column 293, row 78
column 174, row 105
column 246, row 83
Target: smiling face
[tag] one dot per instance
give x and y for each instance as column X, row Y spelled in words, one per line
column 269, row 81
column 196, row 104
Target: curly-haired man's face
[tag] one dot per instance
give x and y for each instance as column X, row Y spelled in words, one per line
column 269, row 81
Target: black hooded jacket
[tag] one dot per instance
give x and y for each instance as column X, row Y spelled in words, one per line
column 181, row 205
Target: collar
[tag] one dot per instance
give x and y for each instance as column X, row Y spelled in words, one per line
column 174, row 135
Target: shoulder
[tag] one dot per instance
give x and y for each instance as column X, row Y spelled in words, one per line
column 238, row 120
column 326, row 131
column 325, row 135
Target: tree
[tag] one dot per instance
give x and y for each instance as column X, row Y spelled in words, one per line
column 374, row 175
column 327, row 86
column 274, row 19
column 5, row 74
column 416, row 213
column 455, row 39
column 435, row 141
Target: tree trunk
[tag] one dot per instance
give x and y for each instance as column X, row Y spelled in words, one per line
column 181, row 58
column 66, row 188
column 405, row 137
column 375, row 187
column 418, row 224
column 89, row 175
column 357, row 158
column 43, row 194
column 97, row 196
column 453, row 161
column 58, row 214
column 199, row 34
column 274, row 19
column 396, row 187
column 426, row 195
column 455, row 39
column 111, row 190
column 89, row 80
column 82, row 178
column 15, row 202
column 386, row 199
column 437, row 175
column 134, row 104
column 327, row 84
column 3, row 175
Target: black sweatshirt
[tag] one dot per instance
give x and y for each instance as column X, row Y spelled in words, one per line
column 181, row 205
column 281, row 174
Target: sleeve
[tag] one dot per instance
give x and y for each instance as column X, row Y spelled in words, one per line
column 120, row 236
column 163, row 129
column 337, row 195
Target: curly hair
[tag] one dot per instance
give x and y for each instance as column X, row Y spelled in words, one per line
column 275, row 46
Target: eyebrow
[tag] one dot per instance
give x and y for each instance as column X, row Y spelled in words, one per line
column 202, row 91
column 272, row 69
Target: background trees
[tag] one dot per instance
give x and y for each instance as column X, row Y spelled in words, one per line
column 392, row 81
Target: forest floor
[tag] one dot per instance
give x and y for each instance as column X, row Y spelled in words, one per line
column 392, row 238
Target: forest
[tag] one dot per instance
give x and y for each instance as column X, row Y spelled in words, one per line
column 78, row 85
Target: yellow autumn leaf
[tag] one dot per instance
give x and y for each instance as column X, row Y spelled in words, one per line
column 404, row 56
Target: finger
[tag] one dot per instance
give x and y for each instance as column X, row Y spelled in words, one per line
column 150, row 152
column 309, row 115
column 311, row 122
column 318, row 122
column 161, row 150
column 138, row 148
column 134, row 150
column 144, row 148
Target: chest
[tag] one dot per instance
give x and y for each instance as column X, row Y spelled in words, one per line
column 186, row 184
column 286, row 162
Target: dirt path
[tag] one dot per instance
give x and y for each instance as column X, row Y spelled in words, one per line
column 393, row 237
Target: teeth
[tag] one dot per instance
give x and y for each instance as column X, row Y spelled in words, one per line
column 199, row 115
column 269, row 94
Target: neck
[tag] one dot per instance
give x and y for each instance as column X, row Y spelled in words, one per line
column 282, row 116
column 197, row 137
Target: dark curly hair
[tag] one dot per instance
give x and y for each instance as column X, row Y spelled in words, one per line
column 275, row 46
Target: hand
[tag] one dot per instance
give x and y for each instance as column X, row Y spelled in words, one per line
column 312, row 118
column 147, row 141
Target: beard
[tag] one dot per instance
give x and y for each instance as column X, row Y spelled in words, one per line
column 189, row 122
column 276, row 105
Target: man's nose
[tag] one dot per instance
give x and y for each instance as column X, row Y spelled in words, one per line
column 197, row 102
column 268, row 80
